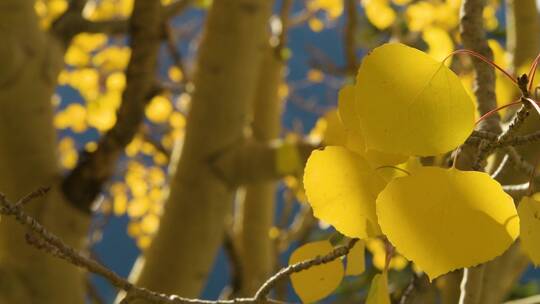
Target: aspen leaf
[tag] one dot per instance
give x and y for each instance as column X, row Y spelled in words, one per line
column 356, row 259
column 408, row 103
column 439, row 42
column 342, row 187
column 354, row 139
column 319, row 281
column 444, row 219
column 378, row 292
column 334, row 133
column 379, row 13
column 529, row 216
column 159, row 109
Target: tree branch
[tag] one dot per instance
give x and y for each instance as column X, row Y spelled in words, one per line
column 83, row 184
column 350, row 37
column 39, row 237
column 474, row 38
column 254, row 162
column 72, row 21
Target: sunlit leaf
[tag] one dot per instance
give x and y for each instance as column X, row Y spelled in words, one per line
column 342, row 187
column 529, row 216
column 316, row 282
column 354, row 138
column 378, row 251
column 439, row 43
column 444, row 219
column 356, row 259
column 378, row 292
column 409, row 103
column 159, row 109
column 379, row 13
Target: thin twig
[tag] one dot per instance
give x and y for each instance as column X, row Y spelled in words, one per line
column 287, row 271
column 47, row 241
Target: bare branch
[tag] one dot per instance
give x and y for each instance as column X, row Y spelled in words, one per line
column 44, row 240
column 72, row 21
column 298, row 267
column 84, row 183
column 350, row 37
column 255, row 162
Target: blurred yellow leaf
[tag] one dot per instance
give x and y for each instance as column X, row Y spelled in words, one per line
column 89, row 42
column 120, row 204
column 138, row 206
column 159, row 109
column 150, row 223
column 411, row 103
column 378, row 291
column 377, row 248
column 316, row 282
column 175, row 74
column 143, row 241
column 333, row 8
column 439, row 43
column 342, row 188
column 529, row 216
column 113, row 58
column 379, row 13
column 356, row 260
column 76, row 56
column 116, row 82
column 315, row 24
column 315, row 76
column 445, row 219
column 419, row 15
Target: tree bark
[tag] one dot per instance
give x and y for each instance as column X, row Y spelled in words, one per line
column 30, row 61
column 191, row 229
column 256, row 248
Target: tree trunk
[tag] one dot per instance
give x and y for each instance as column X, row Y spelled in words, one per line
column 30, row 61
column 192, row 226
column 256, row 248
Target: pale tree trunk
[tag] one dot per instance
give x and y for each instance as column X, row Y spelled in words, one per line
column 502, row 273
column 192, row 227
column 256, row 249
column 30, row 61
column 522, row 24
column 474, row 38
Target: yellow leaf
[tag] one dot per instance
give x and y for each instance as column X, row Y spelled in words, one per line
column 315, row 24
column 159, row 109
column 334, row 133
column 144, row 241
column 150, row 223
column 377, row 248
column 319, row 281
column 315, row 76
column 529, row 216
column 379, row 13
column 419, row 15
column 138, row 207
column 409, row 103
column 116, row 82
column 342, row 187
column 444, row 219
column 378, row 292
column 120, row 204
column 76, row 56
column 356, row 260
column 439, row 43
column 175, row 74
column 355, row 141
